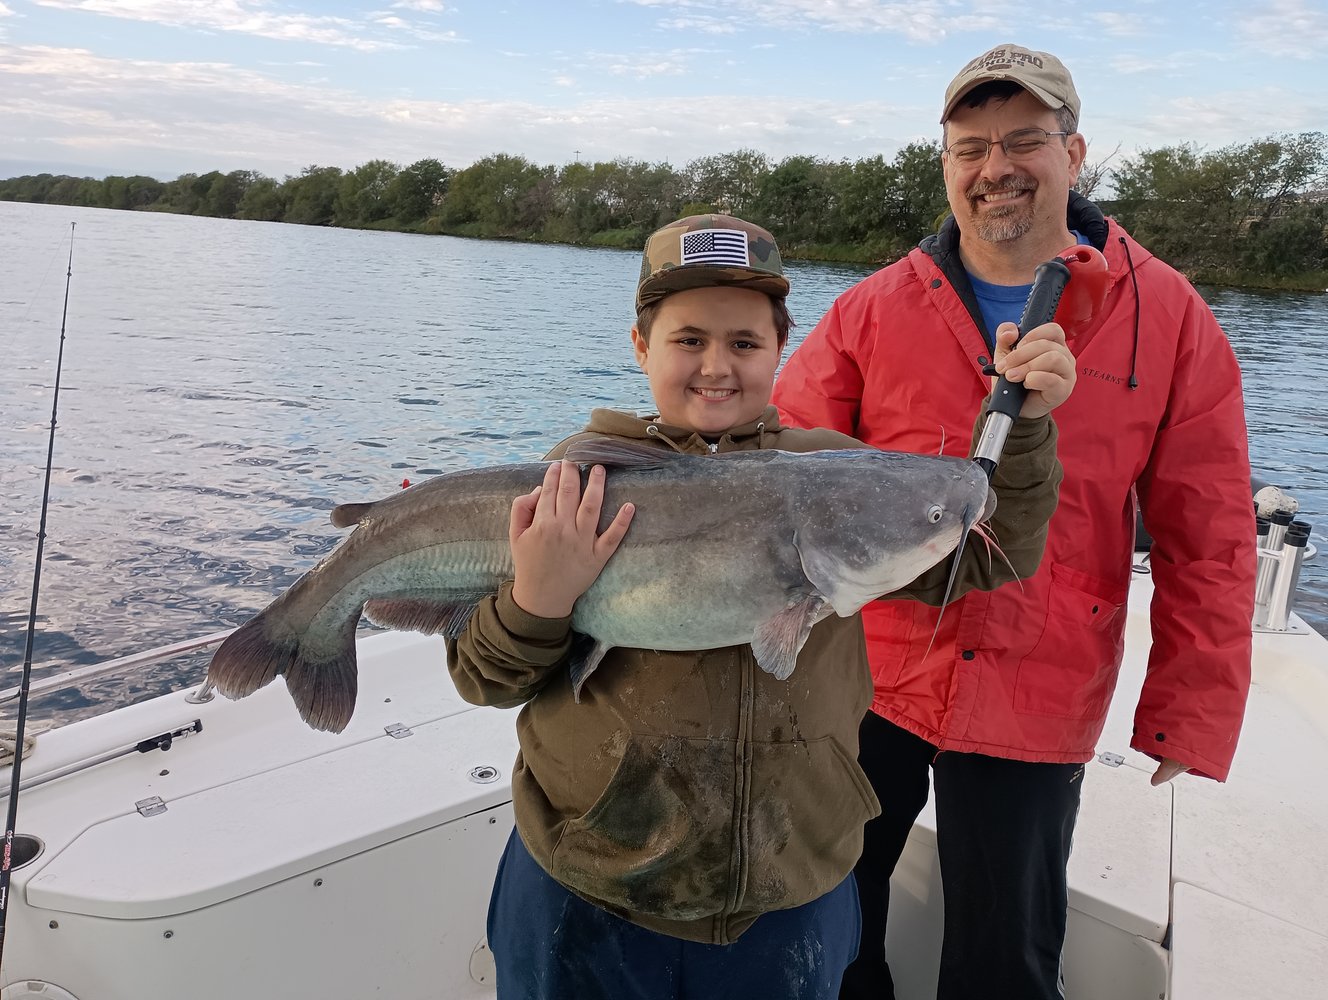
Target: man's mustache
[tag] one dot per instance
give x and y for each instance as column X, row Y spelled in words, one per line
column 1006, row 185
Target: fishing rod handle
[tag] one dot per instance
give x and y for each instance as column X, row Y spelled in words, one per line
column 1007, row 399
column 1049, row 281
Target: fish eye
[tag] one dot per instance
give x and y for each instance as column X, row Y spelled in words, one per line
column 934, row 513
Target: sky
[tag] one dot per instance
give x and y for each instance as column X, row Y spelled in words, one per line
column 165, row 87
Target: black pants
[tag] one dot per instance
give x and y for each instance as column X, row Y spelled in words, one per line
column 1003, row 830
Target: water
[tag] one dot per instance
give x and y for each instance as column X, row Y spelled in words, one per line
column 226, row 383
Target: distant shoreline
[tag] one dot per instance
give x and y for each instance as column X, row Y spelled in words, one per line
column 1247, row 216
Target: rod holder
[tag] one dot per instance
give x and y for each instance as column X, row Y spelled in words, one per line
column 1283, row 542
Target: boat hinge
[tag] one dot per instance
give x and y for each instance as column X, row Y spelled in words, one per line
column 398, row 731
column 153, row 806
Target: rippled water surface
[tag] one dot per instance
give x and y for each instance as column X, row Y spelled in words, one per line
column 226, row 383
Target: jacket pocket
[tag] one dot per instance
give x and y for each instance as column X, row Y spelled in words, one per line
column 1071, row 671
column 891, row 629
column 658, row 839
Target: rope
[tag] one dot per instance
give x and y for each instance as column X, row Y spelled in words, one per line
column 8, row 732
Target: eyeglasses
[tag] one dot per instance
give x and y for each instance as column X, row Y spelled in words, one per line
column 1017, row 145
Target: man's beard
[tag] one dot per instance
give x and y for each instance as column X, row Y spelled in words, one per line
column 1001, row 223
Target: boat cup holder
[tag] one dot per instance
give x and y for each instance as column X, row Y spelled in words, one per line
column 26, row 850
column 35, row 989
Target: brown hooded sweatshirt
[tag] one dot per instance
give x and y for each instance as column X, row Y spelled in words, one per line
column 690, row 792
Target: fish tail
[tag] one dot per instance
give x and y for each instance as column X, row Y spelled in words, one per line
column 323, row 687
column 324, row 690
column 248, row 660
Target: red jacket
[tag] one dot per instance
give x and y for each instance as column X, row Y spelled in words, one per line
column 1028, row 673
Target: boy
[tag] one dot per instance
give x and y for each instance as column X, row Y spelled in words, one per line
column 688, row 829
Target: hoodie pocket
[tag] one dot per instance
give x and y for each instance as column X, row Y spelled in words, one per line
column 658, row 839
column 1071, row 671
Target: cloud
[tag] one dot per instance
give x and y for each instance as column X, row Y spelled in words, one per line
column 1122, row 25
column 1180, row 64
column 1132, row 65
column 254, row 17
column 158, row 117
column 704, row 24
column 1216, row 119
column 161, row 117
column 1287, row 28
column 642, row 65
column 394, row 23
column 923, row 21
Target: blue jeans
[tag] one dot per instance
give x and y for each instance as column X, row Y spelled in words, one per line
column 549, row 944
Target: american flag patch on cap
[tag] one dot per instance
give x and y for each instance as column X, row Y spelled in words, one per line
column 724, row 247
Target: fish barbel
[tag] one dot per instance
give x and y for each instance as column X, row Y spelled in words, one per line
column 750, row 547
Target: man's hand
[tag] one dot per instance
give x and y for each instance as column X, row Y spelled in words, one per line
column 555, row 548
column 1167, row 770
column 1041, row 362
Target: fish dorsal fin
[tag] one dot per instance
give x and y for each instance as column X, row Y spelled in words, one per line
column 445, row 615
column 778, row 640
column 583, row 659
column 347, row 515
column 610, row 451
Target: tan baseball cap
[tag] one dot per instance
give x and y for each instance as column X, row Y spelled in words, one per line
column 703, row 250
column 1040, row 73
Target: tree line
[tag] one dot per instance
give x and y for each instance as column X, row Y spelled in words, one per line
column 1252, row 213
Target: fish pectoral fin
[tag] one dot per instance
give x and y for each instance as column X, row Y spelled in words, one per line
column 778, row 640
column 431, row 615
column 615, row 452
column 583, row 659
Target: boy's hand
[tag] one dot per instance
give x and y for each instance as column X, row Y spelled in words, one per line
column 555, row 548
column 1041, row 361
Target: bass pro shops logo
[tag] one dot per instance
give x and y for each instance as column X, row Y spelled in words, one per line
column 1001, row 60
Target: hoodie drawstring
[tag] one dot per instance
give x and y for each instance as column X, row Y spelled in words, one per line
column 1134, row 355
column 652, row 430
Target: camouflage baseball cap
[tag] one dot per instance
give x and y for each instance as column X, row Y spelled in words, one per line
column 703, row 250
column 1040, row 73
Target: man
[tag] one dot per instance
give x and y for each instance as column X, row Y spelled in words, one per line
column 1008, row 703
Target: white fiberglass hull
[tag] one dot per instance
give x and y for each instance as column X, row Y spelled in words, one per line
column 299, row 864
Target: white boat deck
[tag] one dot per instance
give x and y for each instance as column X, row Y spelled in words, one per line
column 335, row 865
column 1237, row 872
column 360, row 864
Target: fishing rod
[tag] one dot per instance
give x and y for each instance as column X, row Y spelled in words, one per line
column 1043, row 306
column 1046, row 302
column 7, row 856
